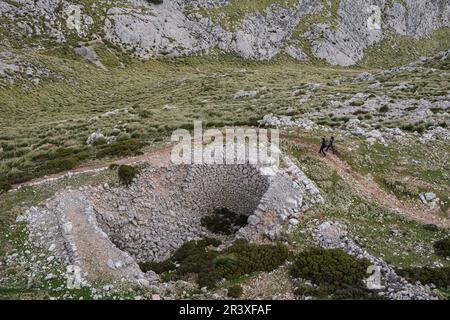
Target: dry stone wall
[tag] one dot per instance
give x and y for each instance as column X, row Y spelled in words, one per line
column 106, row 230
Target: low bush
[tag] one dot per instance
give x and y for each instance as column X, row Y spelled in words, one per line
column 399, row 188
column 113, row 166
column 426, row 275
column 416, row 127
column 384, row 109
column 158, row 267
column 125, row 148
column 225, row 261
column 431, row 227
column 420, row 128
column 99, row 142
column 224, row 221
column 357, row 103
column 332, row 270
column 192, row 248
column 4, row 187
column 235, row 291
column 56, row 165
column 211, row 266
column 258, row 257
column 359, row 112
column 127, row 174
column 407, row 127
column 442, row 247
column 355, row 293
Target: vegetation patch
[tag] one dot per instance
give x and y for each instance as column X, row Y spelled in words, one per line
column 333, row 271
column 384, row 109
column 158, row 267
column 440, row 277
column 4, row 187
column 224, row 221
column 127, row 174
column 235, row 291
column 442, row 247
column 400, row 189
column 209, row 266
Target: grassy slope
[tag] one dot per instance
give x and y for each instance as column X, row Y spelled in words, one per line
column 53, row 120
column 62, row 114
column 371, row 225
column 231, row 15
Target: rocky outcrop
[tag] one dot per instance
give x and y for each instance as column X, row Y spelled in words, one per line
column 16, row 69
column 186, row 27
column 362, row 24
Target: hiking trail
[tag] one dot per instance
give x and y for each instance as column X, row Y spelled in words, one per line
column 365, row 185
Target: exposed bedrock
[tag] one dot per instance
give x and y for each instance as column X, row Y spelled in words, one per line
column 336, row 32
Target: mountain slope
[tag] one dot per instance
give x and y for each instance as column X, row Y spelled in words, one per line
column 335, row 31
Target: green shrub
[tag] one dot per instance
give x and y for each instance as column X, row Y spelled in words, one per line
column 226, row 261
column 258, row 257
column 307, row 290
column 99, row 142
column 399, row 188
column 127, row 174
column 332, row 270
column 198, row 263
column 192, row 248
column 124, row 148
column 355, row 293
column 158, row 267
column 426, row 275
column 442, row 247
column 113, row 166
column 61, row 164
column 420, row 128
column 357, row 103
column 4, row 187
column 384, row 109
column 360, row 112
column 235, row 291
column 431, row 227
column 211, row 266
column 224, row 221
column 407, row 127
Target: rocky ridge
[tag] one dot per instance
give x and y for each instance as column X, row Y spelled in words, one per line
column 186, row 27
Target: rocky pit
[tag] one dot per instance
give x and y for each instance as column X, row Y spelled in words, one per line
column 102, row 233
column 105, row 231
column 163, row 209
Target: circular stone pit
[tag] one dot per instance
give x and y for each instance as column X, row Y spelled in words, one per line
column 104, row 231
column 164, row 206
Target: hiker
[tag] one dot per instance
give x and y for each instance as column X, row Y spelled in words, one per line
column 331, row 145
column 323, row 146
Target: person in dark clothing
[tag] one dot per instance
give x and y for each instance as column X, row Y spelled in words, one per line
column 323, row 146
column 331, row 145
